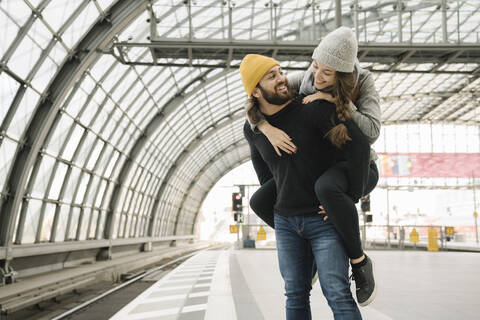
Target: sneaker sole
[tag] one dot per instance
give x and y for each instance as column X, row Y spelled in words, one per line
column 374, row 293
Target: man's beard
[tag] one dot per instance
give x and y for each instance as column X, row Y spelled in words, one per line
column 276, row 98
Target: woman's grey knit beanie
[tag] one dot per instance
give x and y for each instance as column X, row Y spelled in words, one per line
column 338, row 50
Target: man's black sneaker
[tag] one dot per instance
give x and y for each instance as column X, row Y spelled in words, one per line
column 364, row 283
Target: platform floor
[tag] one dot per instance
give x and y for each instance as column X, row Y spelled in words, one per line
column 246, row 285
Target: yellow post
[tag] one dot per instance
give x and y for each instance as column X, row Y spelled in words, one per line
column 414, row 238
column 261, row 234
column 432, row 239
column 449, row 231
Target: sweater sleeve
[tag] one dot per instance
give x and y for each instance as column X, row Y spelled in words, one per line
column 295, row 80
column 261, row 168
column 366, row 113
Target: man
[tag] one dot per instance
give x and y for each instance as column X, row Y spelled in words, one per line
column 302, row 234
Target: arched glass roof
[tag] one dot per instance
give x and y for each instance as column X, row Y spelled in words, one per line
column 117, row 117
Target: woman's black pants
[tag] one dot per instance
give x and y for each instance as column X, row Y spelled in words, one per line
column 331, row 190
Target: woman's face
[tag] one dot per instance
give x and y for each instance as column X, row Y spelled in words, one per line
column 323, row 76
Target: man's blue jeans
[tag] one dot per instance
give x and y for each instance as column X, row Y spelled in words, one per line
column 297, row 238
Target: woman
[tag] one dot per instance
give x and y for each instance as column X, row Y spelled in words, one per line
column 335, row 76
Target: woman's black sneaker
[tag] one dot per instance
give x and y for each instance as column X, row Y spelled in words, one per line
column 364, row 283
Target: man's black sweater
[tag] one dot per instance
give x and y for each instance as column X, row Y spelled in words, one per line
column 295, row 174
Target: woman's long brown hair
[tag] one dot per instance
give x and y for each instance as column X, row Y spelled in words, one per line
column 252, row 110
column 342, row 92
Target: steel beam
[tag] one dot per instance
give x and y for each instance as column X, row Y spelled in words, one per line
column 402, row 58
column 338, row 13
column 30, row 250
column 448, row 59
column 386, row 53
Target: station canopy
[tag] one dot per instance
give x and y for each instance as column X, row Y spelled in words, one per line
column 118, row 117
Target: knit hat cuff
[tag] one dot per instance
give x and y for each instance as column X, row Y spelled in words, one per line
column 252, row 69
column 332, row 61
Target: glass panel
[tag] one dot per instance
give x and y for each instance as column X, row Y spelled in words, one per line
column 128, row 138
column 108, row 195
column 84, row 224
column 75, row 105
column 112, row 164
column 95, row 154
column 58, row 11
column 44, row 172
column 101, row 66
column 12, row 15
column 8, row 89
column 82, row 187
column 100, row 193
column 62, row 223
column 107, row 111
column 88, row 84
column 31, row 221
column 141, row 228
column 60, row 134
column 104, row 4
column 103, row 158
column 98, row 98
column 72, row 231
column 44, row 74
column 89, row 113
column 125, row 230
column 81, row 24
column 114, row 76
column 131, row 99
column 29, row 50
column 123, row 198
column 85, row 149
column 92, row 192
column 7, row 152
column 58, row 180
column 101, row 225
column 117, row 217
column 132, row 228
column 35, row 3
column 58, row 53
column 102, row 120
column 125, row 81
column 23, row 114
column 72, row 143
column 71, row 184
column 47, row 222
column 93, row 224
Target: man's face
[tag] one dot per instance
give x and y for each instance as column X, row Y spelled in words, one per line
column 323, row 76
column 273, row 87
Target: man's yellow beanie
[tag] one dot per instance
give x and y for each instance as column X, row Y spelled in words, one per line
column 253, row 68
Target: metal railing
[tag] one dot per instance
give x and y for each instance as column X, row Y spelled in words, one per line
column 399, row 237
column 385, row 237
